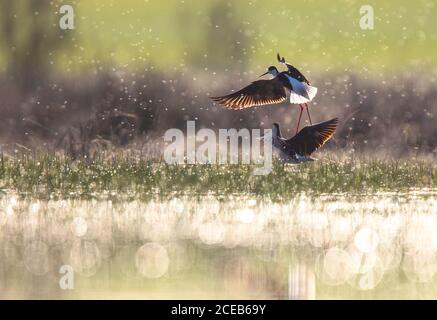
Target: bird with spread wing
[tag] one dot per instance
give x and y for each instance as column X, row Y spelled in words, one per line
column 299, row 148
column 273, row 91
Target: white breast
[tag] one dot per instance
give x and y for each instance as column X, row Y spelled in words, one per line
column 302, row 92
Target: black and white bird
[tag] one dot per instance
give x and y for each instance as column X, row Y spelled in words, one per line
column 273, row 91
column 299, row 148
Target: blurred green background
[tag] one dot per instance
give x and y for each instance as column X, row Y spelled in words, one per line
column 313, row 34
column 316, row 35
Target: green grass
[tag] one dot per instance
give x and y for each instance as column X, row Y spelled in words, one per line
column 47, row 176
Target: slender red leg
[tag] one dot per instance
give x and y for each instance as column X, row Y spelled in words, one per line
column 308, row 111
column 300, row 116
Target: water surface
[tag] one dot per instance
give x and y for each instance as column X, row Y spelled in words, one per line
column 381, row 245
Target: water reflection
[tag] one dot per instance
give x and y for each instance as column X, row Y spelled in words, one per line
column 330, row 246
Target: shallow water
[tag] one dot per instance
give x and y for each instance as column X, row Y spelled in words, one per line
column 382, row 245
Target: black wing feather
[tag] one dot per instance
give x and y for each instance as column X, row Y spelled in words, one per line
column 310, row 138
column 258, row 93
column 293, row 71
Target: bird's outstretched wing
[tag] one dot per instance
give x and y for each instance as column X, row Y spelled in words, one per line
column 292, row 71
column 310, row 138
column 258, row 93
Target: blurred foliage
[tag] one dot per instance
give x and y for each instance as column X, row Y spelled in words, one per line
column 223, row 41
column 315, row 34
column 31, row 39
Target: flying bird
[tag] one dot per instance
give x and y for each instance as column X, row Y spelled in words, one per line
column 296, row 74
column 299, row 148
column 273, row 91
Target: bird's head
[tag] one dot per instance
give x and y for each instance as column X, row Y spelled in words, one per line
column 275, row 130
column 271, row 70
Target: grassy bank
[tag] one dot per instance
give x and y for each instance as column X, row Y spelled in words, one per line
column 47, row 176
